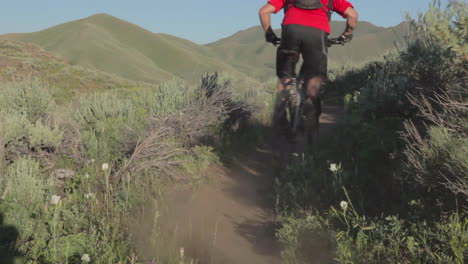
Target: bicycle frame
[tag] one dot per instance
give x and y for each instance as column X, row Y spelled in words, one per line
column 295, row 101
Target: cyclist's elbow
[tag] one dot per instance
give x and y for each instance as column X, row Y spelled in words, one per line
column 261, row 12
column 267, row 9
column 351, row 14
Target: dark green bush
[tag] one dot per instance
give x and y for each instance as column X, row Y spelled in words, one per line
column 402, row 148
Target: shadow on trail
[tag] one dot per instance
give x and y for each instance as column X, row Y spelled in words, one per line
column 253, row 179
column 253, row 171
column 8, row 236
column 261, row 235
column 252, row 186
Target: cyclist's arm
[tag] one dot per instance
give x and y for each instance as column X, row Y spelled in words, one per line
column 265, row 15
column 351, row 20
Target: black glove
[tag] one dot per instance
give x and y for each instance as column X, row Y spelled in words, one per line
column 271, row 37
column 345, row 38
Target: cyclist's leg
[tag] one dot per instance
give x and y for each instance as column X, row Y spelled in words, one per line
column 313, row 87
column 314, row 72
column 286, row 61
column 314, row 69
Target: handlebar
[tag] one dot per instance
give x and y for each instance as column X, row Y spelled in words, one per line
column 330, row 42
column 335, row 41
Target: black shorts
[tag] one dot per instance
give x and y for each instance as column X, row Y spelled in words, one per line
column 305, row 40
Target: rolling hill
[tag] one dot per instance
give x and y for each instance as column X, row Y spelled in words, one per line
column 20, row 61
column 106, row 43
column 248, row 52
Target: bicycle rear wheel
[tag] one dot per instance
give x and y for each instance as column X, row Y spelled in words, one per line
column 311, row 121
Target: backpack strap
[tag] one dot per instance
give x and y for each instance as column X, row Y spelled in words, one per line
column 286, row 6
column 329, row 7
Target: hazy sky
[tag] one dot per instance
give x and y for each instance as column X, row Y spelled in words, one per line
column 201, row 21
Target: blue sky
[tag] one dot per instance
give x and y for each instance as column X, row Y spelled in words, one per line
column 201, row 21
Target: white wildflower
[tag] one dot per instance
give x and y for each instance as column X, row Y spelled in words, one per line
column 344, row 205
column 356, row 96
column 55, row 199
column 333, row 167
column 86, row 175
column 89, row 195
column 85, row 258
column 92, row 161
column 105, row 166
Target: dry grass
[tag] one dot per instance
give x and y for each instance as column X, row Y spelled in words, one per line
column 160, row 147
column 437, row 159
column 155, row 151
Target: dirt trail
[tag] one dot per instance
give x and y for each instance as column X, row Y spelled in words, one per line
column 230, row 219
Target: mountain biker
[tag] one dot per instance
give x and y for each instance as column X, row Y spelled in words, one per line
column 305, row 31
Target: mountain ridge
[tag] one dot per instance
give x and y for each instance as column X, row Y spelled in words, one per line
column 109, row 44
column 20, row 61
column 249, row 52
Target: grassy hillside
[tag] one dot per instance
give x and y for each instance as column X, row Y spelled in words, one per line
column 103, row 42
column 20, row 61
column 112, row 45
column 248, row 51
column 369, row 42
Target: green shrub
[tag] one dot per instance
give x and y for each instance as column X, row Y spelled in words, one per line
column 110, row 125
column 360, row 239
column 197, row 160
column 24, row 138
column 407, row 88
column 31, row 98
column 26, row 119
column 167, row 98
column 449, row 27
column 140, row 134
column 16, row 126
column 439, row 159
column 24, row 193
column 95, row 111
column 403, row 146
column 24, row 185
column 42, row 135
column 113, row 124
column 305, row 239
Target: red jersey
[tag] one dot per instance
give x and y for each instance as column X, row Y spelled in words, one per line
column 312, row 18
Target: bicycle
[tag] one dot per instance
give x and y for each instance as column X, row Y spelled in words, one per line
column 291, row 114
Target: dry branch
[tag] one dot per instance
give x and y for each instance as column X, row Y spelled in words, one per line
column 447, row 110
column 155, row 151
column 160, row 148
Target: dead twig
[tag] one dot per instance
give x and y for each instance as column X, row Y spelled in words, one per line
column 155, row 151
column 447, row 110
